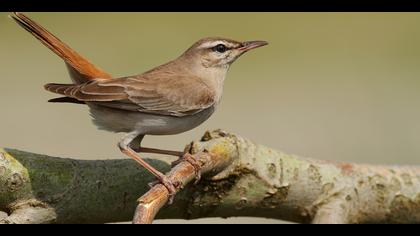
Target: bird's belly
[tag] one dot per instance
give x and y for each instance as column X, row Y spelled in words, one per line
column 166, row 125
column 115, row 120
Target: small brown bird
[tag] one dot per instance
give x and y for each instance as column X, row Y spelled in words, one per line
column 169, row 99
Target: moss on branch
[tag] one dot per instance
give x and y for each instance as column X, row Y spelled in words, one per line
column 256, row 181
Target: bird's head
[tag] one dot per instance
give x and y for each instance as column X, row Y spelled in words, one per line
column 219, row 52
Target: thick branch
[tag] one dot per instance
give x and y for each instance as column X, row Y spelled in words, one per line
column 247, row 180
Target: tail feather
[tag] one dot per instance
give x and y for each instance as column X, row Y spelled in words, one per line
column 66, row 100
column 63, row 89
column 81, row 66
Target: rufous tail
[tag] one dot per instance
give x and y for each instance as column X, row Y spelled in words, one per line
column 81, row 68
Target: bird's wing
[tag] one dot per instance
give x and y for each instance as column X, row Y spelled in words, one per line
column 165, row 94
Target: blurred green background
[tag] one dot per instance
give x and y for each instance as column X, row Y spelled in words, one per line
column 336, row 86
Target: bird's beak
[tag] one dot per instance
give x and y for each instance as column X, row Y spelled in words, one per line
column 246, row 46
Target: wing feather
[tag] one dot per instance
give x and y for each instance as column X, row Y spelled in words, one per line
column 168, row 94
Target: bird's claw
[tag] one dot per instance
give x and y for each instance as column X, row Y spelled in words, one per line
column 171, row 186
column 194, row 163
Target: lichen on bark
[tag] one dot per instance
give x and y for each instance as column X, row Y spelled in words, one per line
column 250, row 180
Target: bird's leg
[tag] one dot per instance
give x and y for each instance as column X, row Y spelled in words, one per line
column 159, row 151
column 136, row 146
column 125, row 148
column 183, row 156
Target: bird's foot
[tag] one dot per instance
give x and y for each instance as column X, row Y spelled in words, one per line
column 170, row 185
column 195, row 164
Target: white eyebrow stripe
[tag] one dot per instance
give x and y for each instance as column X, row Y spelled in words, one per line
column 214, row 43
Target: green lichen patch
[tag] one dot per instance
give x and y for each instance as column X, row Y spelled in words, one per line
column 271, row 170
column 208, row 195
column 241, row 203
column 395, row 184
column 276, row 198
column 404, row 210
column 407, row 179
column 2, row 171
column 327, row 188
column 314, row 175
column 15, row 183
column 3, row 215
column 378, row 185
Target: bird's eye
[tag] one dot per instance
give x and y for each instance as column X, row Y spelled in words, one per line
column 220, row 48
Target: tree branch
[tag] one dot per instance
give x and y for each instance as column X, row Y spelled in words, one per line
column 183, row 173
column 240, row 178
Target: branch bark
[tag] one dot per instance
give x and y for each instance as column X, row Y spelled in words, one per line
column 240, row 178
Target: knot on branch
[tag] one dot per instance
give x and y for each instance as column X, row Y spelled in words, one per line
column 14, row 180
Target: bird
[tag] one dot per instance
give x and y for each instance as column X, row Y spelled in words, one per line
column 169, row 99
